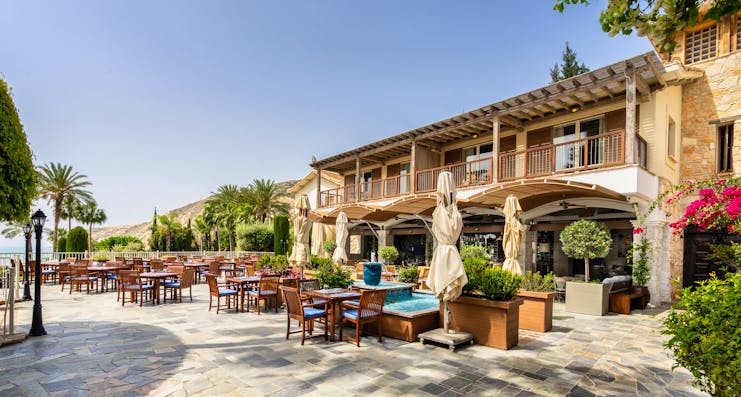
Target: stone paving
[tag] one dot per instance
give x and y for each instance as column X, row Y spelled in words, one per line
column 94, row 347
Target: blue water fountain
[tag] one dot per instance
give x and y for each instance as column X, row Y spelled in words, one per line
column 372, row 273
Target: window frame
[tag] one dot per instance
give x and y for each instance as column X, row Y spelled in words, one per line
column 724, row 160
column 693, row 55
column 671, row 138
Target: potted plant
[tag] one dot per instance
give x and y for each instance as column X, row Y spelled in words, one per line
column 408, row 275
column 333, row 276
column 389, row 254
column 489, row 307
column 537, row 293
column 329, row 247
column 640, row 255
column 586, row 239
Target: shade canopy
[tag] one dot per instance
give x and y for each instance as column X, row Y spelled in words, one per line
column 340, row 256
column 447, row 276
column 512, row 236
column 301, row 224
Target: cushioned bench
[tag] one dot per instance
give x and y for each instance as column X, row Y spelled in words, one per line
column 622, row 302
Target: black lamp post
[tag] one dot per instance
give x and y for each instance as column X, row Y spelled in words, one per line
column 26, row 286
column 37, row 324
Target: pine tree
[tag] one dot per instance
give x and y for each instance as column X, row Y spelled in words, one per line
column 569, row 68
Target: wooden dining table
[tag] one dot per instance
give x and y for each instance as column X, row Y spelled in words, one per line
column 243, row 283
column 157, row 277
column 334, row 297
column 103, row 270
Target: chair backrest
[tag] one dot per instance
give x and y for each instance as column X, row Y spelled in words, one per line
column 113, row 263
column 249, row 269
column 187, row 279
column 157, row 264
column 268, row 283
column 293, row 301
column 70, row 259
column 79, row 271
column 63, row 268
column 177, row 269
column 359, row 267
column 311, row 284
column 424, row 271
column 130, row 278
column 120, row 259
column 214, row 268
column 290, row 282
column 390, row 268
column 371, row 303
column 213, row 286
column 83, row 262
column 559, row 283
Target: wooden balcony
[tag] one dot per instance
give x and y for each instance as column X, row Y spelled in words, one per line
column 600, row 151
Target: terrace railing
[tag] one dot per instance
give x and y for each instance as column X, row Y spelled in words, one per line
column 111, row 255
column 593, row 152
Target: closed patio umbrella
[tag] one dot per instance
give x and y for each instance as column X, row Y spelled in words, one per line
column 447, row 276
column 513, row 232
column 301, row 223
column 317, row 238
column 340, row 256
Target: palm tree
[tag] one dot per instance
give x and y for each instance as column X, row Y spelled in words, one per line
column 204, row 232
column 57, row 184
column 169, row 223
column 263, row 196
column 68, row 210
column 90, row 214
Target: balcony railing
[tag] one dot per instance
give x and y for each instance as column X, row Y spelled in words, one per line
column 470, row 173
column 592, row 152
column 598, row 151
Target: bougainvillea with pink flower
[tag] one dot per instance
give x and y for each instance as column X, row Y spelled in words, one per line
column 718, row 206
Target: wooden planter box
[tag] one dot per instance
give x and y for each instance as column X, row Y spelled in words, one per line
column 492, row 323
column 536, row 312
column 587, row 298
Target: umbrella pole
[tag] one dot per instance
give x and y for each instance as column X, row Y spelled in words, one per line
column 446, row 317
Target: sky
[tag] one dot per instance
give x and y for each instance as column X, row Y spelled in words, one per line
column 161, row 102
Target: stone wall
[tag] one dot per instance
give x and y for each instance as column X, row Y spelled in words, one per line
column 714, row 97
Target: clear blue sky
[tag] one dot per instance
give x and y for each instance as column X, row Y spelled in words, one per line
column 160, row 102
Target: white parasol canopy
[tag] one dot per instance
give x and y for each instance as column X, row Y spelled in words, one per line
column 447, row 276
column 301, row 224
column 513, row 232
column 340, row 256
column 317, row 238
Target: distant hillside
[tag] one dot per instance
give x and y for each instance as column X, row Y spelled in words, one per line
column 182, row 214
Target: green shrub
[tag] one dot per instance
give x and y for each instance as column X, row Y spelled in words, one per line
column 474, row 251
column 279, row 263
column 329, row 246
column 108, row 243
column 726, row 255
column 131, row 247
column 705, row 337
column 389, row 253
column 499, row 285
column 474, row 268
column 62, row 244
column 17, row 174
column 316, row 261
column 586, row 239
column 77, row 239
column 331, row 276
column 280, row 233
column 265, row 262
column 254, row 237
column 641, row 271
column 536, row 282
column 409, row 274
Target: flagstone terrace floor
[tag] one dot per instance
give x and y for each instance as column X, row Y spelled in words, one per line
column 94, row 347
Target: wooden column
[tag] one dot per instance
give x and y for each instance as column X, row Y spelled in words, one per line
column 413, row 168
column 495, row 150
column 357, row 179
column 318, row 187
column 630, row 115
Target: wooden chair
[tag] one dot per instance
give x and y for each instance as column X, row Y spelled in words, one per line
column 79, row 276
column 302, row 312
column 112, row 276
column 214, row 267
column 267, row 289
column 120, row 259
column 132, row 283
column 249, row 270
column 368, row 311
column 216, row 292
column 157, row 265
column 177, row 269
column 424, row 271
column 185, row 282
column 64, row 274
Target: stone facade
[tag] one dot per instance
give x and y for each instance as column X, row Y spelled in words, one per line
column 716, row 97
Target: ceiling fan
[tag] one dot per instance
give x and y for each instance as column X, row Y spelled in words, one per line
column 566, row 205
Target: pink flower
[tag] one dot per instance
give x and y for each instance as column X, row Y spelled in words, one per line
column 638, row 230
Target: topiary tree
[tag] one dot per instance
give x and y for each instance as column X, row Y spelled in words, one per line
column 329, row 246
column 389, row 253
column 254, row 237
column 77, row 239
column 280, row 234
column 17, row 174
column 62, row 244
column 474, row 251
column 586, row 239
column 705, row 335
